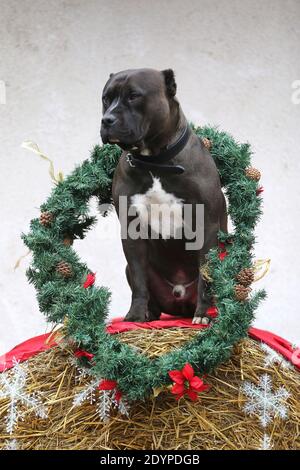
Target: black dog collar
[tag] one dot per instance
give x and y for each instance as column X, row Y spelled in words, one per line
column 157, row 162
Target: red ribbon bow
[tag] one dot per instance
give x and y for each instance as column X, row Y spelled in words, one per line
column 90, row 279
column 223, row 253
column 259, row 190
column 187, row 383
column 212, row 312
column 106, row 384
column 81, row 353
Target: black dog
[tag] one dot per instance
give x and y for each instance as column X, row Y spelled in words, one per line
column 163, row 164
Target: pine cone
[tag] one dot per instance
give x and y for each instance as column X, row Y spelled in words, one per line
column 64, row 269
column 245, row 277
column 67, row 241
column 241, row 292
column 207, row 143
column 46, row 218
column 253, row 173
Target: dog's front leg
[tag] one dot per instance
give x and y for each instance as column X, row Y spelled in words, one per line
column 137, row 259
column 202, row 303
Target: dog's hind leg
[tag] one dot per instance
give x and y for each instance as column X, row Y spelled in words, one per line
column 154, row 310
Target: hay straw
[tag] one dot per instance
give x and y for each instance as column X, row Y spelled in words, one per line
column 217, row 421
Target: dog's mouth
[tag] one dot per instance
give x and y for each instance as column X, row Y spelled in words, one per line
column 134, row 146
column 113, row 141
column 125, row 146
column 126, row 140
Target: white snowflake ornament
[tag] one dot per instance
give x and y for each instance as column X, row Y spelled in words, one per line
column 265, row 443
column 122, row 406
column 105, row 400
column 13, row 387
column 104, row 405
column 264, row 402
column 12, row 444
column 88, row 393
column 81, row 372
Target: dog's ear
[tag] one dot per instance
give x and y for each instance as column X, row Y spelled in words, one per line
column 111, row 75
column 171, row 86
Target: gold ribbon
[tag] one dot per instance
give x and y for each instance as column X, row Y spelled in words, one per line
column 29, row 145
column 205, row 272
column 56, row 334
column 261, row 267
column 163, row 388
column 18, row 262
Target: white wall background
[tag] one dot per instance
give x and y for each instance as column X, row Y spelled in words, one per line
column 235, row 63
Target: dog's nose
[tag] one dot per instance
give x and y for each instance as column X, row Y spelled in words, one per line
column 108, row 120
column 179, row 291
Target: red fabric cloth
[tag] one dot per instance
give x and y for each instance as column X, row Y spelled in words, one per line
column 117, row 325
column 33, row 346
column 279, row 344
column 25, row 350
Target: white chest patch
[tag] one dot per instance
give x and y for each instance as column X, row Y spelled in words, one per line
column 161, row 210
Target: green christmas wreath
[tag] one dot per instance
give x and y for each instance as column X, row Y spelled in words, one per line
column 58, row 274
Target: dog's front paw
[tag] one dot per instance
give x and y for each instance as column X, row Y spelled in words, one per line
column 138, row 312
column 200, row 317
column 135, row 316
column 201, row 320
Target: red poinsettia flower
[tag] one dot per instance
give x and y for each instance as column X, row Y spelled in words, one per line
column 212, row 312
column 90, row 279
column 82, row 353
column 110, row 385
column 187, row 383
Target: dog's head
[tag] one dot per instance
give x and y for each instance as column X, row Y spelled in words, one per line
column 136, row 106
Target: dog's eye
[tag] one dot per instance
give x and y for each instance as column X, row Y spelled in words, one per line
column 105, row 101
column 133, row 95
